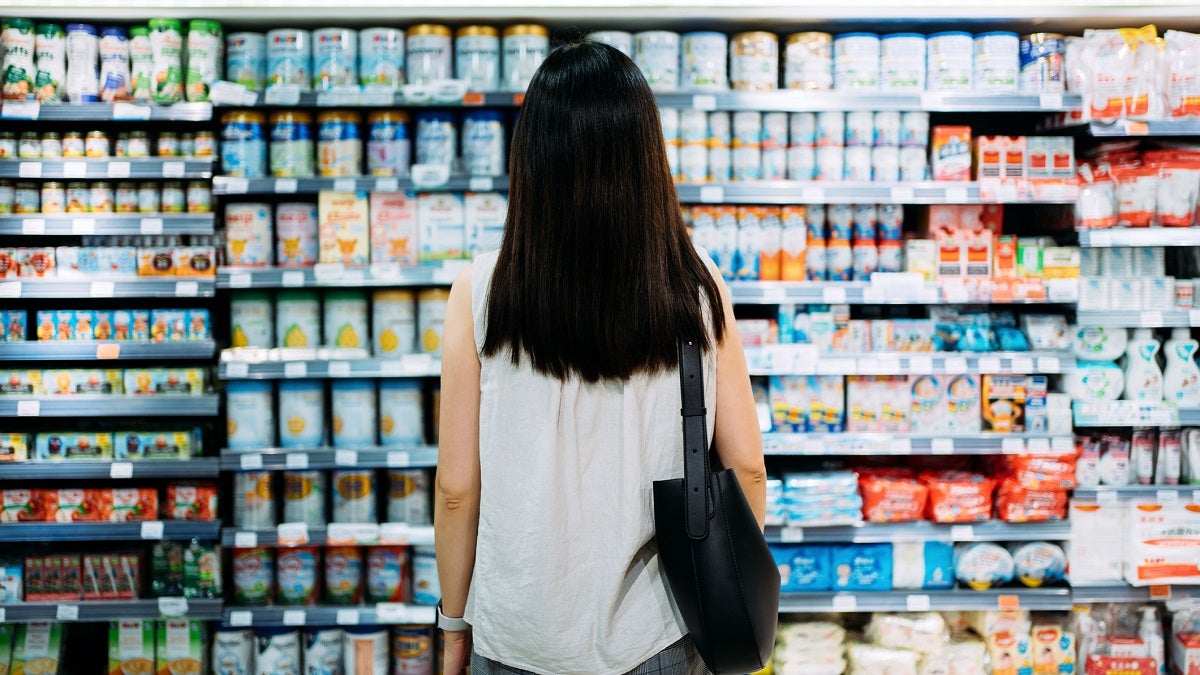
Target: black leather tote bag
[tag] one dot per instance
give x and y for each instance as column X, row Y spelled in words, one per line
column 715, row 558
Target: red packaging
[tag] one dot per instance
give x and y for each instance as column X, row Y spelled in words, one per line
column 191, row 502
column 74, row 505
column 958, row 496
column 22, row 506
column 1116, row 665
column 128, row 505
column 1017, row 504
column 70, row 580
column 1042, row 472
column 35, row 579
column 892, row 499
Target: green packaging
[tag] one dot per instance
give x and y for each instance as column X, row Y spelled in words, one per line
column 179, row 647
column 131, row 647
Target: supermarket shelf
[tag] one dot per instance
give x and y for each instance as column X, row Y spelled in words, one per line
column 838, row 444
column 106, row 169
column 1189, row 416
column 1044, row 599
column 82, row 405
column 865, row 533
column 1086, row 593
column 112, row 610
column 1123, row 128
column 147, row 287
column 197, row 467
column 1128, row 414
column 1162, row 494
column 328, row 458
column 375, row 99
column 1178, row 318
column 831, row 292
column 806, row 360
column 1140, row 236
column 296, row 534
column 107, row 224
column 324, row 363
column 804, row 101
column 104, row 112
column 105, row 350
column 151, row 530
column 381, row 614
column 232, row 185
column 340, row 276
column 811, row 192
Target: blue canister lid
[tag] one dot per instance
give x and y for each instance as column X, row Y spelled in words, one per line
column 436, row 116
column 845, row 36
column 890, row 36
column 81, row 28
column 705, row 33
column 950, row 33
column 484, row 116
column 113, row 31
column 997, row 33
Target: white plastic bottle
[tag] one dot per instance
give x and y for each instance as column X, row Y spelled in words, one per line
column 1181, row 381
column 1150, row 631
column 1143, row 378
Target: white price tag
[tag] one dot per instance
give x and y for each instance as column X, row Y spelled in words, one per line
column 1061, row 444
column 30, row 170
column 286, row 186
column 704, row 102
column 481, row 184
column 920, row 365
column 251, row 461
column 102, row 289
column 296, row 461
column 223, row 92
column 429, row 176
column 390, row 612
column 1194, row 317
column 1051, row 101
column 74, row 169
column 240, row 618
column 988, row 365
column 347, row 617
column 130, row 111
column 33, row 226
column 120, row 470
column 187, row 289
column 956, row 195
column 834, row 295
column 328, row 271
column 941, row 446
column 377, row 96
column 957, row 365
column 845, row 602
column 237, row 369
column 292, row 534
column 917, row 603
column 173, row 606
column 29, row 408
column 67, row 613
column 295, row 617
column 245, row 539
column 152, row 529
column 1022, row 365
column 398, row 459
column 395, row 534
column 1151, row 319
column 1038, row 446
column 118, row 169
column 962, row 532
column 1099, row 238
column 387, row 184
column 1012, row 446
column 345, row 458
column 282, row 94
column 21, row 110
column 1167, row 496
column 1106, row 497
column 338, row 369
column 791, row 535
column 292, row 279
column 295, row 369
column 1049, row 364
column 901, row 446
column 416, row 93
column 902, row 194
column 151, row 226
column 11, row 289
column 173, row 169
column 812, row 195
column 233, row 185
column 345, row 185
column 712, row 194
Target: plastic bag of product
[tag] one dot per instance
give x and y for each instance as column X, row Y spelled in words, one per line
column 1041, row 472
column 1097, row 205
column 958, row 658
column 1038, row 562
column 925, row 632
column 1018, row 504
column 982, row 566
column 1121, row 72
column 1074, row 70
column 892, row 499
column 958, row 496
column 1181, row 66
column 813, row 647
column 1137, row 195
column 1178, row 188
column 1185, row 624
column 873, row 660
column 990, row 621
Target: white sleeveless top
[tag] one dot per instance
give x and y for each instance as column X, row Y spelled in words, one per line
column 566, row 571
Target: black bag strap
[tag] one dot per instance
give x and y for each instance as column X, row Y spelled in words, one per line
column 696, row 471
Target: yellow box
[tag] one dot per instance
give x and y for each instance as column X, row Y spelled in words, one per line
column 344, row 227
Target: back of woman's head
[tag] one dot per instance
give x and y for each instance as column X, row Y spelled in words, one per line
column 596, row 275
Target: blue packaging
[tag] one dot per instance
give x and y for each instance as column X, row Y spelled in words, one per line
column 863, row 222
column 483, row 143
column 803, row 568
column 436, row 138
column 939, row 565
column 243, row 146
column 12, row 325
column 862, row 567
column 840, row 221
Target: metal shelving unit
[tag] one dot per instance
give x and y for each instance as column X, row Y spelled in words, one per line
column 869, row 533
column 106, row 350
column 340, row 276
column 1140, row 236
column 835, row 192
column 86, row 405
column 144, row 287
column 817, row 101
column 106, row 169
column 884, row 289
column 112, row 610
column 1162, row 494
column 806, row 360
column 1044, row 599
column 196, row 467
column 1086, row 593
column 73, row 224
column 1127, row 414
column 382, row 613
column 328, row 458
column 146, row 531
column 233, row 185
column 1125, row 128
column 408, row 365
column 824, row 445
column 375, row 99
column 1152, row 318
column 106, row 112
column 296, row 534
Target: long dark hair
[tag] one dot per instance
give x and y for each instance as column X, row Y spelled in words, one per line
column 596, row 276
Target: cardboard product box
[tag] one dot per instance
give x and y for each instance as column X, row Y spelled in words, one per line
column 128, row 505
column 950, row 152
column 65, row 382
column 1061, row 262
column 343, row 227
column 173, row 381
column 14, row 447
column 1163, row 544
column 486, row 213
column 394, row 228
column 199, row 325
column 8, row 264
column 989, row 157
column 179, row 647
column 13, row 327
column 156, row 261
column 442, row 219
column 168, row 325
column 201, row 571
column 74, row 446
column 789, row 403
column 74, row 505
column 117, row 261
column 12, row 582
column 1004, row 403
column 921, row 256
column 22, row 506
column 1004, row 261
column 804, row 568
column 36, row 263
column 21, row 382
column 98, row 580
column 7, row 637
column 1014, row 157
column 70, row 578
column 862, row 567
column 38, row 648
column 196, row 261
column 131, row 647
column 35, row 579
column 132, row 445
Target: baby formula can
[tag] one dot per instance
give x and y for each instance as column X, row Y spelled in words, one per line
column 335, row 58
column 857, row 165
column 1041, row 61
column 693, row 163
column 353, row 492
column 997, row 61
column 51, row 63
column 720, row 130
column 388, row 146
column 166, row 49
column 298, row 317
column 246, row 60
column 856, row 61
column 250, row 420
column 354, row 415
column 254, row 500
column 205, row 45
column 304, row 494
column 296, row 234
column 885, row 163
column 339, row 144
column 248, row 235
column 291, row 144
column 801, row 162
column 323, row 649
column 477, row 57
column 860, row 128
column 366, row 650
column 253, row 576
column 890, row 222
column 251, row 319
column 775, row 130
column 754, row 61
column 386, row 578
column 951, row 58
column 704, row 65
column 141, row 63
column 887, row 128
column 525, row 47
column 289, row 58
column 865, row 259
column 802, row 129
column 693, row 127
column 393, row 315
column 100, row 198
column 436, row 138
column 619, row 40
column 720, row 164
column 902, row 62
column 381, row 58
column 278, row 651
column 431, row 315
column 669, row 119
column 244, row 146
column 17, row 67
column 808, row 61
column 412, row 650
column 914, row 129
column 831, row 128
column 83, row 80
column 747, row 130
column 409, row 497
column 232, row 651
column 114, row 65
column 774, row 163
column 483, row 143
column 296, row 575
column 301, row 414
column 343, row 575
column 346, row 319
column 401, row 417
column 656, row 53
column 913, row 164
column 429, row 53
column 830, row 163
column 427, row 590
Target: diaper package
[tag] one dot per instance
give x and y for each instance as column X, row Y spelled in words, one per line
column 1097, row 546
column 957, row 658
column 958, row 496
column 927, row 565
column 874, row 660
column 804, row 568
column 1038, row 563
column 817, row 499
column 862, row 567
column 1010, row 653
column 813, row 648
column 926, row 632
column 982, row 566
column 891, row 496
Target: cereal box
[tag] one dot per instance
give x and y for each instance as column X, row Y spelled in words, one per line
column 343, row 222
column 186, row 381
column 179, row 647
column 486, row 213
column 82, row 382
column 155, row 444
column 131, row 647
column 443, row 225
column 394, row 227
column 37, row 649
column 12, row 325
column 14, row 447
column 74, row 446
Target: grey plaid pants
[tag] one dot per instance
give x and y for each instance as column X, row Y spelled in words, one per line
column 678, row 659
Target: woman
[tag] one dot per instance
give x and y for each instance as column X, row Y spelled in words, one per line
column 560, row 391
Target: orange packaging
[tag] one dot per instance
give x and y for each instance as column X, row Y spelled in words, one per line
column 1004, row 260
column 73, row 505
column 770, row 258
column 128, row 505
column 950, row 152
column 1018, row 504
column 989, row 157
column 23, row 506
column 958, row 496
column 1014, row 156
column 892, row 499
column 793, row 243
column 191, row 502
column 1041, row 472
column 156, row 261
column 195, row 261
column 1137, row 191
